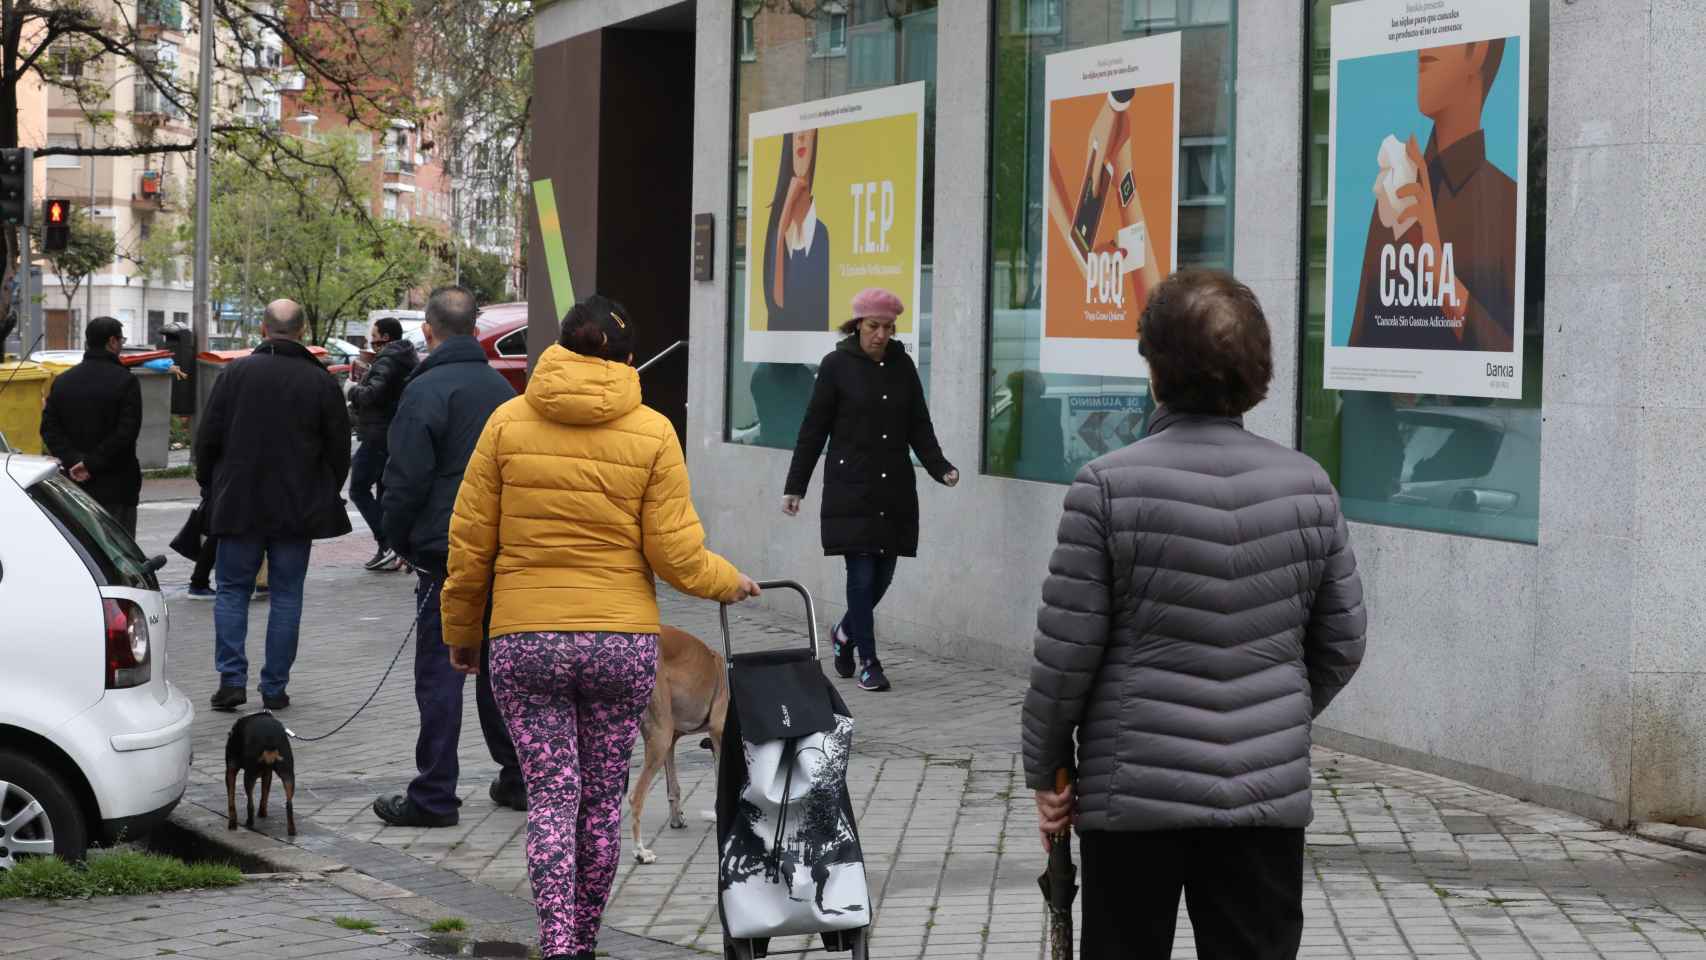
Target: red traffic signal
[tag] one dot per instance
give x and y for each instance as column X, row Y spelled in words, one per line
column 58, row 212
column 56, row 225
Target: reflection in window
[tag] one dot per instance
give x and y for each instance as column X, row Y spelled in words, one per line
column 1046, row 426
column 1453, row 464
column 807, row 51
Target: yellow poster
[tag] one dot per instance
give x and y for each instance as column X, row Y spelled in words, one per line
column 836, row 199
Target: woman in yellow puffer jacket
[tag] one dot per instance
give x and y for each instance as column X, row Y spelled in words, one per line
column 575, row 496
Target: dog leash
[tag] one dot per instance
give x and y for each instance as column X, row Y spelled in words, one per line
column 438, row 586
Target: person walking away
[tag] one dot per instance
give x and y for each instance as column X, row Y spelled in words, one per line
column 272, row 454
column 1202, row 607
column 869, row 406
column 91, row 421
column 575, row 497
column 374, row 402
column 449, row 398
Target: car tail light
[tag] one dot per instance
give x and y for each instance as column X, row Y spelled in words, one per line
column 127, row 645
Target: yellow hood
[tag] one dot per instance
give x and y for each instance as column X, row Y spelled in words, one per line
column 570, row 388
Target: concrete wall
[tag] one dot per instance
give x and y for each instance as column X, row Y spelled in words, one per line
column 1538, row 670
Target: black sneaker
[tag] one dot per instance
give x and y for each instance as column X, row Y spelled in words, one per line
column 378, row 559
column 201, row 593
column 385, row 562
column 229, row 699
column 400, row 811
column 513, row 796
column 872, row 678
column 275, row 701
column 843, row 648
column 261, row 592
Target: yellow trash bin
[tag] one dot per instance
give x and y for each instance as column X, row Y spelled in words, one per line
column 23, row 391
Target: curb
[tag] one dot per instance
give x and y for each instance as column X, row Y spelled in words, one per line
column 195, row 832
column 1687, row 838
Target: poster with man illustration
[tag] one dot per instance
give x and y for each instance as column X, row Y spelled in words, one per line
column 1110, row 232
column 835, row 202
column 1427, row 197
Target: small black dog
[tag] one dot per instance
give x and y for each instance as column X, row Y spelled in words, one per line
column 259, row 747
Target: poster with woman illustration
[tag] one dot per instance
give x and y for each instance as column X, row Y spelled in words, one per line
column 1112, row 190
column 1427, row 174
column 836, row 199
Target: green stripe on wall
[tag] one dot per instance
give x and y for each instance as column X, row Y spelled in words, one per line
column 556, row 256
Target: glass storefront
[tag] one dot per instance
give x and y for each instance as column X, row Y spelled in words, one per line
column 1046, row 425
column 797, row 53
column 1428, row 459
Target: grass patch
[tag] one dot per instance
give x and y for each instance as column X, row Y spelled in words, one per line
column 351, row 923
column 169, row 473
column 123, row 873
column 455, row 925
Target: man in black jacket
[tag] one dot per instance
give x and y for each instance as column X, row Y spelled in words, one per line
column 272, row 453
column 374, row 401
column 443, row 411
column 92, row 418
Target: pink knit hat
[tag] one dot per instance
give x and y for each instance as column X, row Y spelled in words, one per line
column 877, row 302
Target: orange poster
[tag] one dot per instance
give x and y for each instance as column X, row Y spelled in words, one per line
column 1112, row 199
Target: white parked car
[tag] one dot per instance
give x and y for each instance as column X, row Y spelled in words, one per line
column 94, row 743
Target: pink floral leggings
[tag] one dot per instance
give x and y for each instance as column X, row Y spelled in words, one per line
column 573, row 702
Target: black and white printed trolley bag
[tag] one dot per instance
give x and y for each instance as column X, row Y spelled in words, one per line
column 789, row 862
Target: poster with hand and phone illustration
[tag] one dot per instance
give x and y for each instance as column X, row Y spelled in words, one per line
column 1111, row 232
column 1427, row 198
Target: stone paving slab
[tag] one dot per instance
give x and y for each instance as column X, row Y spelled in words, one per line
column 1400, row 863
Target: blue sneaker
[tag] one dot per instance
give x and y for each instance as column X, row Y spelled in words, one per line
column 872, row 678
column 843, row 648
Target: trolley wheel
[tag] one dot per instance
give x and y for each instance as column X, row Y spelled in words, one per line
column 741, row 949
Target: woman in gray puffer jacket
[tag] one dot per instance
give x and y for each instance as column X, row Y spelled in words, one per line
column 1202, row 608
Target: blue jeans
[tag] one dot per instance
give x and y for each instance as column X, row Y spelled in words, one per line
column 868, row 578
column 366, row 471
column 439, row 695
column 238, row 563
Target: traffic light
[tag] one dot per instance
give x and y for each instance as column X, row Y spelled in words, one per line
column 14, row 198
column 56, row 225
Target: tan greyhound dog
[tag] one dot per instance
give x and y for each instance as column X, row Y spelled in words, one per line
column 691, row 696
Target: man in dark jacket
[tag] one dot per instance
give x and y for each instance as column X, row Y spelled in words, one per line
column 1202, row 608
column 374, row 401
column 272, row 453
column 444, row 409
column 91, row 421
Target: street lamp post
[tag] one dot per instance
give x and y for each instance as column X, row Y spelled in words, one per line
column 203, row 177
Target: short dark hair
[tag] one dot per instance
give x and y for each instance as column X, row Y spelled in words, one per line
column 100, row 330
column 1490, row 67
column 1207, row 343
column 389, row 328
column 599, row 327
column 451, row 311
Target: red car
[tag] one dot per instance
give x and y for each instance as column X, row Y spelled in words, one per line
column 502, row 330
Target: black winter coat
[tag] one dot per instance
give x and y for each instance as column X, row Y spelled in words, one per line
column 93, row 416
column 870, row 413
column 444, row 408
column 273, row 448
column 375, row 398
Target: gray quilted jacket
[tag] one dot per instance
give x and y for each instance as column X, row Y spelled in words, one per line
column 1202, row 607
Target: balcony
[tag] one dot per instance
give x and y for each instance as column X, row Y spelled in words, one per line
column 151, row 192
column 155, row 17
column 153, row 108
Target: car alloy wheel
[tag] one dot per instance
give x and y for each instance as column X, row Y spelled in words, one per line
column 24, row 825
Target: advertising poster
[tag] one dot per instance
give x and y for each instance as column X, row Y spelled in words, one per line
column 1112, row 130
column 1428, row 197
column 835, row 203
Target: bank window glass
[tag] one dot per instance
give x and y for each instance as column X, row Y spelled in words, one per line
column 1425, row 304
column 830, row 198
column 1097, row 179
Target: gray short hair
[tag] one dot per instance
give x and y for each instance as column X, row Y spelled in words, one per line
column 285, row 318
column 451, row 311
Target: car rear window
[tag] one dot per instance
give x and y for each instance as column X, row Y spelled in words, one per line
column 113, row 558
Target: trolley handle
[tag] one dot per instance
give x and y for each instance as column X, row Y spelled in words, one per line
column 794, row 585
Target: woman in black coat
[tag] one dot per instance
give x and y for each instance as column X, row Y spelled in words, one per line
column 868, row 404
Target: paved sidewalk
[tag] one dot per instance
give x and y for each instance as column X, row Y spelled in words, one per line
column 1400, row 864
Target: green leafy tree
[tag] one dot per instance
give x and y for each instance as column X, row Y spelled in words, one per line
column 286, row 228
column 486, row 275
column 90, row 248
